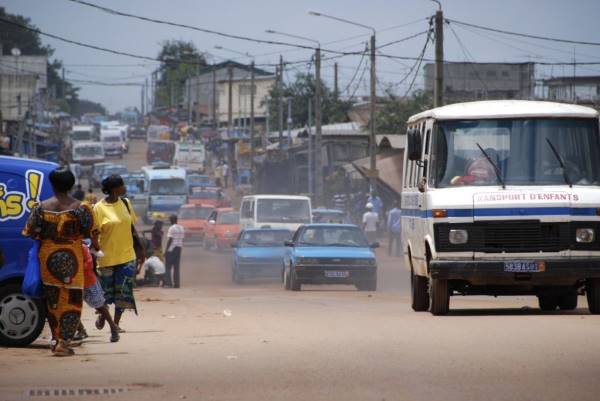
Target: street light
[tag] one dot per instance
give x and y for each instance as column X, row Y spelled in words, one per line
column 233, row 51
column 372, row 150
column 318, row 118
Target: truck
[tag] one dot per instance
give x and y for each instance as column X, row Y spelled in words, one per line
column 502, row 198
column 86, row 154
column 167, row 191
column 23, row 183
column 190, row 156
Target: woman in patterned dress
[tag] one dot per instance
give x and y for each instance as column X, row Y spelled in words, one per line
column 60, row 224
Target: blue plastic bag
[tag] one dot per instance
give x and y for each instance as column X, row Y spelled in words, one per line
column 32, row 282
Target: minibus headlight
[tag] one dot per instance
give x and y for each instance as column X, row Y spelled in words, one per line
column 585, row 235
column 458, row 237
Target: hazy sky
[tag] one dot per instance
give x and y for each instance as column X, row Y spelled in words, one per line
column 575, row 19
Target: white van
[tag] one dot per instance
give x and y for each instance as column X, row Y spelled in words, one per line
column 112, row 140
column 275, row 211
column 86, row 154
column 190, row 155
column 503, row 198
column 83, row 133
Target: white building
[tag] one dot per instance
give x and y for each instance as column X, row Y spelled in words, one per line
column 582, row 89
column 23, row 80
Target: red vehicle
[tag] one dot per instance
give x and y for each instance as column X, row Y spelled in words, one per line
column 209, row 196
column 194, row 219
column 223, row 228
column 160, row 151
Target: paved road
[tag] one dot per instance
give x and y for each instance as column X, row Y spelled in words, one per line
column 213, row 340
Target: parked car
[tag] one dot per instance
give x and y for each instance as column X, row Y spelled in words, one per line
column 222, row 229
column 209, row 196
column 22, row 181
column 330, row 254
column 194, row 219
column 258, row 252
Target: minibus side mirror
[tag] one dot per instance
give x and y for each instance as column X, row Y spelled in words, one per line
column 415, row 145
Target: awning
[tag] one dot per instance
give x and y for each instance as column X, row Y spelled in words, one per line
column 389, row 165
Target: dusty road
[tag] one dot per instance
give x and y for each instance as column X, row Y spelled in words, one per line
column 213, row 340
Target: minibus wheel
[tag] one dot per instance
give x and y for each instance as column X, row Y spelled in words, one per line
column 592, row 290
column 22, row 318
column 568, row 300
column 419, row 292
column 548, row 302
column 440, row 296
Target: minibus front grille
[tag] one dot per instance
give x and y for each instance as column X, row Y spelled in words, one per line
column 506, row 236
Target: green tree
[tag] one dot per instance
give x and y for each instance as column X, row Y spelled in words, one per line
column 301, row 91
column 393, row 112
column 179, row 61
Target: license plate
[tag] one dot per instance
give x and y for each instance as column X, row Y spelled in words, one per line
column 524, row 267
column 336, row 274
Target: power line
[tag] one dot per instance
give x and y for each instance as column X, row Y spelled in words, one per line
column 347, row 88
column 416, row 35
column 467, row 56
column 525, row 35
column 418, row 64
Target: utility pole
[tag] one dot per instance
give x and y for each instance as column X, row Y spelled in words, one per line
column 189, row 100
column 142, row 99
column 230, row 119
column 318, row 138
column 252, row 93
column 336, row 92
column 268, row 125
column 372, row 109
column 280, row 102
column 310, row 149
column 289, row 121
column 64, row 85
column 214, row 98
column 438, row 90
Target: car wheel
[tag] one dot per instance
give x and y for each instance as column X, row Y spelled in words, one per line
column 419, row 293
column 295, row 285
column 440, row 297
column 568, row 300
column 548, row 302
column 21, row 317
column 592, row 291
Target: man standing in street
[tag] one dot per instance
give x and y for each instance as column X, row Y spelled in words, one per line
column 394, row 229
column 369, row 220
column 225, row 170
column 175, row 236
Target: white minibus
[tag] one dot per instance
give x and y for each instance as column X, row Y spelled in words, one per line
column 275, row 211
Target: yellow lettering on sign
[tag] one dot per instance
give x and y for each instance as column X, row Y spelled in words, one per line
column 13, row 204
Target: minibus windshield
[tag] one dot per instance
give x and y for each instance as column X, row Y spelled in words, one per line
column 540, row 151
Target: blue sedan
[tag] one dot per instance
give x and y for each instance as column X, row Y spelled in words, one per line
column 259, row 253
column 330, row 254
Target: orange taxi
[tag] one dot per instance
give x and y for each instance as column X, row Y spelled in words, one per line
column 222, row 229
column 194, row 219
column 209, row 196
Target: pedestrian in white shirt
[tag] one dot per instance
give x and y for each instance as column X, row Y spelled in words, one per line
column 225, row 169
column 370, row 219
column 175, row 236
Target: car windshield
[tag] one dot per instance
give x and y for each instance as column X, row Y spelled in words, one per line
column 198, row 179
column 264, row 238
column 81, row 135
column 134, row 185
column 170, row 186
column 228, row 218
column 88, row 151
column 119, row 170
column 111, row 139
column 525, row 152
column 283, row 211
column 328, row 217
column 332, row 236
column 195, row 213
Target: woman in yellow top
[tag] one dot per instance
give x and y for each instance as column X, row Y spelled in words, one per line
column 60, row 224
column 117, row 268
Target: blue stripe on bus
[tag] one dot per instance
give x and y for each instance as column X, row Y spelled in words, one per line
column 506, row 212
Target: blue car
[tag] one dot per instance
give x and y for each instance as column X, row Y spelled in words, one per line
column 22, row 183
column 259, row 253
column 330, row 254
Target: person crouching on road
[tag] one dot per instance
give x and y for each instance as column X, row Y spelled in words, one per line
column 117, row 268
column 369, row 220
column 175, row 236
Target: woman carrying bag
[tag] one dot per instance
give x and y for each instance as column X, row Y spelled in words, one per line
column 118, row 267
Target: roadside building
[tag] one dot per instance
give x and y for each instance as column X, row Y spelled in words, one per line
column 578, row 89
column 482, row 81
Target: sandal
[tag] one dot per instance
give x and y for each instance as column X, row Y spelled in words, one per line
column 120, row 330
column 114, row 336
column 100, row 322
column 61, row 349
column 80, row 335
